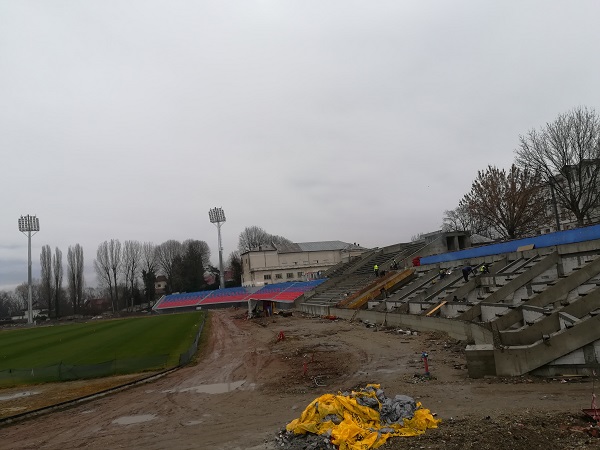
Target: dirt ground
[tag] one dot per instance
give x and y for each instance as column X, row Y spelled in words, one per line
column 246, row 386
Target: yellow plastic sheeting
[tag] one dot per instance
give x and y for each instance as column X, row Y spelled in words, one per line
column 360, row 427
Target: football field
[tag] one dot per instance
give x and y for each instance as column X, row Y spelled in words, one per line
column 129, row 345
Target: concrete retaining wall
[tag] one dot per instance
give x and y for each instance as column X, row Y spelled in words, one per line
column 316, row 310
column 480, row 360
column 464, row 331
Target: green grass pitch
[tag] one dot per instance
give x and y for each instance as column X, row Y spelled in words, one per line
column 99, row 341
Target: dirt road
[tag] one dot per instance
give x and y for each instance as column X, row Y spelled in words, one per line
column 247, row 385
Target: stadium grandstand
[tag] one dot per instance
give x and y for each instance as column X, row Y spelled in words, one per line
column 282, row 294
column 526, row 306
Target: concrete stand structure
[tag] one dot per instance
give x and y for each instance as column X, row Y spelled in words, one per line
column 536, row 311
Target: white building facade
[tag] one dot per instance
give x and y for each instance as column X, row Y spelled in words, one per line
column 303, row 261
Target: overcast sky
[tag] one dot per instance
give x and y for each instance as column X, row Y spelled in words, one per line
column 315, row 120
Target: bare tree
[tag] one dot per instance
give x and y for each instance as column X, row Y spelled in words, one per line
column 114, row 254
column 513, row 203
column 148, row 257
column 75, row 276
column 199, row 247
column 279, row 240
column 167, row 254
column 6, row 304
column 108, row 266
column 102, row 267
column 46, row 278
column 20, row 298
column 148, row 267
column 57, row 269
column 566, row 154
column 254, row 237
column 234, row 264
column 416, row 237
column 460, row 219
column 189, row 268
column 132, row 259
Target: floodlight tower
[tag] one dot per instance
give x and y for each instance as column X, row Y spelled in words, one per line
column 217, row 216
column 28, row 225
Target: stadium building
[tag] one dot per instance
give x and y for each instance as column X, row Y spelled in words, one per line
column 294, row 262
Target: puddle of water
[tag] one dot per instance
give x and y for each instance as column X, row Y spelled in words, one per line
column 217, row 388
column 193, row 422
column 389, row 371
column 18, row 395
column 129, row 420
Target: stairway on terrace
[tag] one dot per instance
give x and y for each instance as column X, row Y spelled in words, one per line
column 357, row 273
column 408, row 252
column 510, row 281
column 577, row 282
column 339, row 268
column 384, row 260
column 551, row 330
column 347, row 285
column 554, row 342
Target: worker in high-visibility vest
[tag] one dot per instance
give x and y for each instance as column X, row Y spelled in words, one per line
column 376, row 270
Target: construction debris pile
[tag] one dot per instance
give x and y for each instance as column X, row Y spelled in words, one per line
column 356, row 421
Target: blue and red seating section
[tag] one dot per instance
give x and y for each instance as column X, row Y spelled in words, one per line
column 229, row 295
column 296, row 290
column 181, row 300
column 280, row 292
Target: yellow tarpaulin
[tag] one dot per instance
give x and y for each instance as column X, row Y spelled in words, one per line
column 356, row 427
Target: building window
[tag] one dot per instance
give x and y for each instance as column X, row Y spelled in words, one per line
column 300, row 274
column 278, row 275
column 267, row 277
column 289, row 275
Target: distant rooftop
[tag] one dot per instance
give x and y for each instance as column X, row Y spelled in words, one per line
column 310, row 247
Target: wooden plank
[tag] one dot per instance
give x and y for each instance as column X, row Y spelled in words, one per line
column 436, row 308
column 523, row 248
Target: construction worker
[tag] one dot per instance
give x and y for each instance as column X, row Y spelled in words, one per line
column 376, row 270
column 466, row 271
column 484, row 269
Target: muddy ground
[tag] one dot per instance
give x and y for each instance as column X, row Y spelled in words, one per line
column 246, row 386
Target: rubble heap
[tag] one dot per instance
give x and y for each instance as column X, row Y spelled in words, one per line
column 356, row 421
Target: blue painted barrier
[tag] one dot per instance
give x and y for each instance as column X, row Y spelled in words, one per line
column 546, row 240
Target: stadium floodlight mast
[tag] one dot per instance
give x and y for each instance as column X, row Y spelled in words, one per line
column 28, row 225
column 217, row 216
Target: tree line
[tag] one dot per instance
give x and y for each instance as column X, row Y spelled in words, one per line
column 557, row 166
column 127, row 272
column 48, row 293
